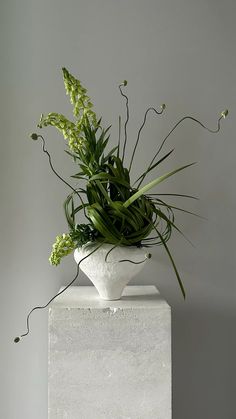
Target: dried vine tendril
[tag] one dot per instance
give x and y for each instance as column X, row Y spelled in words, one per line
column 18, row 338
column 146, row 256
column 213, row 131
column 34, row 137
column 163, row 106
column 127, row 116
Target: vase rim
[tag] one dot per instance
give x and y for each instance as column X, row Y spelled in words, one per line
column 95, row 242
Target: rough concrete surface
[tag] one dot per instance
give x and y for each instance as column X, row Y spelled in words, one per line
column 110, row 359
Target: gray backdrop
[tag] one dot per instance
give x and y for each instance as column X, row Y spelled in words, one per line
column 178, row 52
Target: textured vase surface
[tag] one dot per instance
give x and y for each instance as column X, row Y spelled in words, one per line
column 112, row 275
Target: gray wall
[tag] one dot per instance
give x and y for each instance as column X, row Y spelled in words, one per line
column 178, row 52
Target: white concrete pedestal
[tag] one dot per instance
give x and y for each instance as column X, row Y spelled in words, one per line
column 110, row 359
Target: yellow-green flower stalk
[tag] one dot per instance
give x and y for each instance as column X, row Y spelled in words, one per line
column 63, row 246
column 83, row 113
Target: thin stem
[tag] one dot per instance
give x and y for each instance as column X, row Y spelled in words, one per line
column 127, row 119
column 136, row 263
column 175, row 126
column 163, row 204
column 59, row 177
column 118, row 149
column 18, row 338
column 173, row 194
column 147, row 256
column 112, row 248
column 140, row 129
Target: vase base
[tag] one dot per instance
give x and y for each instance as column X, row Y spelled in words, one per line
column 110, row 298
column 109, row 295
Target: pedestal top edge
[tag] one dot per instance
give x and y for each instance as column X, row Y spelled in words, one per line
column 134, row 296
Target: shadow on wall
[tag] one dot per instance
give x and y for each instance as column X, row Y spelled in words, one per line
column 204, row 367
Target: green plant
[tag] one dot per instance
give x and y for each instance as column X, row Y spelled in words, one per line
column 116, row 210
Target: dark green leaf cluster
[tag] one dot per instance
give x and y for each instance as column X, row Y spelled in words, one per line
column 83, row 233
column 90, row 156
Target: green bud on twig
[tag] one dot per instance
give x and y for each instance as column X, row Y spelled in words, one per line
column 34, row 136
column 125, row 82
column 224, row 113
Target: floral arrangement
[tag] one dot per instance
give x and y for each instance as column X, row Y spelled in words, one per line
column 117, row 211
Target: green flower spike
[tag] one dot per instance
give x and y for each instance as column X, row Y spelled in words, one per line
column 73, row 131
column 78, row 97
column 63, row 246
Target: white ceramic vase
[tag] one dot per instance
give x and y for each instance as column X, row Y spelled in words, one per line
column 110, row 277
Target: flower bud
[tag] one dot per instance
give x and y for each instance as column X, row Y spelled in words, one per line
column 34, row 136
column 224, row 113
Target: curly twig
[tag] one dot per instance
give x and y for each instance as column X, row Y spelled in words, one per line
column 223, row 115
column 163, row 106
column 147, row 256
column 127, row 117
column 18, row 338
column 35, row 137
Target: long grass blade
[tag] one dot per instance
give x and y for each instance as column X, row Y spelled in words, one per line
column 153, row 183
column 173, row 263
column 154, row 165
